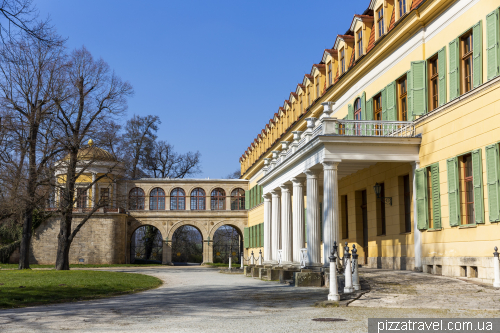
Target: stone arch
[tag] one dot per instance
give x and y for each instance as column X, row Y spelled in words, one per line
column 236, row 224
column 148, row 191
column 132, row 228
column 234, row 188
column 200, row 226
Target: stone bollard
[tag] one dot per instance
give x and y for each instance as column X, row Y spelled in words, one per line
column 355, row 275
column 334, row 292
column 242, row 261
column 347, row 270
column 260, row 258
column 496, row 268
column 252, row 259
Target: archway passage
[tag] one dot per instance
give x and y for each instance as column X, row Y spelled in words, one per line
column 227, row 243
column 187, row 245
column 146, row 245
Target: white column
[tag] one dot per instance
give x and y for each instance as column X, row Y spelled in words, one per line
column 312, row 220
column 267, row 228
column 330, row 209
column 94, row 194
column 286, row 225
column 417, row 240
column 298, row 218
column 276, row 226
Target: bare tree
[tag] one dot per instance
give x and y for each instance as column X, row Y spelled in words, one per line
column 162, row 161
column 140, row 134
column 94, row 94
column 31, row 73
column 234, row 175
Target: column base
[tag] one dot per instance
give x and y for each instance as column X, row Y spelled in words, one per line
column 357, row 287
column 334, row 297
column 348, row 289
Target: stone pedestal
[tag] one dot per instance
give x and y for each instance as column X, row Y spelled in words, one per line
column 309, row 279
column 255, row 271
column 247, row 270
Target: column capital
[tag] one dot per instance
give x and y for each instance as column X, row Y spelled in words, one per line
column 285, row 188
column 275, row 192
column 267, row 196
column 329, row 165
column 297, row 181
column 311, row 173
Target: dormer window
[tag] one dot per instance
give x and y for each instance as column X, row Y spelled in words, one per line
column 380, row 21
column 317, row 87
column 402, row 7
column 342, row 60
column 360, row 43
column 330, row 74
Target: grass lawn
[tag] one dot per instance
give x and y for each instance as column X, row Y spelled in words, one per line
column 14, row 266
column 27, row 287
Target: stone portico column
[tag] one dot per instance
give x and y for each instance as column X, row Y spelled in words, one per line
column 313, row 225
column 298, row 218
column 286, row 225
column 417, row 241
column 267, row 228
column 276, row 225
column 330, row 209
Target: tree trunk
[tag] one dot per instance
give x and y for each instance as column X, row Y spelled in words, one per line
column 24, row 249
column 62, row 260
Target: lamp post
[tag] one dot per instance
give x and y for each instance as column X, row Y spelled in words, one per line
column 334, row 292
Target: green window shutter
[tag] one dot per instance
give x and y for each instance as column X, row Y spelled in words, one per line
column 477, row 181
column 369, row 110
column 392, row 110
column 252, row 197
column 350, row 112
column 383, row 99
column 442, row 76
column 409, row 95
column 252, row 236
column 261, row 199
column 493, row 181
column 453, row 194
column 492, row 44
column 422, row 201
column 363, row 106
column 419, row 93
column 454, row 73
column 246, row 238
column 436, row 196
column 247, row 199
column 477, row 54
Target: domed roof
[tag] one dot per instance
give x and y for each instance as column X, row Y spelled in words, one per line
column 93, row 153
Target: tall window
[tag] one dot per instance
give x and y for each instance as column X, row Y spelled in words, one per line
column 433, row 83
column 177, row 199
column 377, row 107
column 317, row 88
column 360, row 43
column 466, row 54
column 467, row 189
column 157, row 199
column 380, row 21
column 81, row 200
column 218, row 199
column 342, row 60
column 238, row 199
column 407, row 202
column 104, row 197
column 136, row 199
column 330, row 74
column 308, row 97
column 402, row 99
column 357, row 109
column 402, row 7
column 381, row 218
column 197, row 199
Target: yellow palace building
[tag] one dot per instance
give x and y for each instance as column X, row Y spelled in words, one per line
column 390, row 143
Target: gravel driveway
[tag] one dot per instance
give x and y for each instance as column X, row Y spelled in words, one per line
column 197, row 299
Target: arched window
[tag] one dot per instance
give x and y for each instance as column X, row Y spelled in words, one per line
column 177, row 199
column 218, row 199
column 357, row 109
column 238, row 199
column 157, row 199
column 197, row 199
column 136, row 199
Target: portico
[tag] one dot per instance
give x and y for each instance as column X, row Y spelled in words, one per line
column 318, row 159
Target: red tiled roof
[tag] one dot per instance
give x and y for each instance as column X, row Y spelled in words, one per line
column 319, row 66
column 294, row 94
column 301, row 85
column 415, row 3
column 309, row 76
column 331, row 51
column 393, row 19
column 351, row 62
column 346, row 37
column 364, row 16
column 371, row 41
column 288, row 102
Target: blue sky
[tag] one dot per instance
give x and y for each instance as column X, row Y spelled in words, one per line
column 214, row 71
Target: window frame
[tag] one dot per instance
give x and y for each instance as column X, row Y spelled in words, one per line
column 359, row 35
column 380, row 21
column 377, row 106
column 217, row 199
column 238, row 199
column 135, row 199
column 154, row 199
column 402, row 5
column 105, row 199
column 342, row 60
column 196, row 197
column 330, row 73
column 465, row 180
column 176, row 199
column 82, row 195
column 402, row 97
column 464, row 57
column 433, row 79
